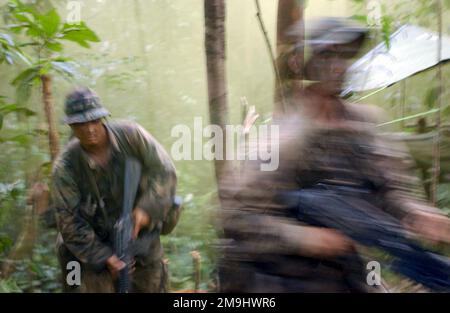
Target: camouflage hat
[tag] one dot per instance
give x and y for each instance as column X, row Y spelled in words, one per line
column 324, row 32
column 83, row 105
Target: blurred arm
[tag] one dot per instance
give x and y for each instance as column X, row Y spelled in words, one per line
column 78, row 235
column 158, row 182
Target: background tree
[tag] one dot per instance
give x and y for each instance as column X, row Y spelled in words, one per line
column 10, row 52
column 290, row 32
column 45, row 33
column 216, row 75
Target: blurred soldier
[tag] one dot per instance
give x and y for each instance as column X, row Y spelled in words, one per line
column 323, row 140
column 87, row 193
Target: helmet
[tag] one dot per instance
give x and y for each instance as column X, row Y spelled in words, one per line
column 334, row 31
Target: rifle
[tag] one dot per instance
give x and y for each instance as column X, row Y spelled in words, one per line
column 124, row 226
column 340, row 208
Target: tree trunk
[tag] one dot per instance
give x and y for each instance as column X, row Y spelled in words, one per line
column 37, row 202
column 53, row 137
column 39, row 193
column 216, row 75
column 290, row 13
column 196, row 261
column 290, row 31
column 437, row 139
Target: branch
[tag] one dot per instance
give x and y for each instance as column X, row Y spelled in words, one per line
column 270, row 50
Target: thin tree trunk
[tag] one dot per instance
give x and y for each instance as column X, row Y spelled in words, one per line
column 290, row 12
column 53, row 137
column 278, row 81
column 39, row 195
column 403, row 102
column 37, row 203
column 289, row 18
column 196, row 261
column 437, row 140
column 215, row 63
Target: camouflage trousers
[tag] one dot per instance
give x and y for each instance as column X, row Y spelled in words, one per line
column 281, row 274
column 148, row 277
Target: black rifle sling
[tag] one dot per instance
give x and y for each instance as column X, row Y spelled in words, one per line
column 91, row 178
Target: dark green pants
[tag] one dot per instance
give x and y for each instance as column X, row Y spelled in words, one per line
column 148, row 277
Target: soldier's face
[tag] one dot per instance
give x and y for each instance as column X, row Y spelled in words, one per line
column 90, row 133
column 330, row 68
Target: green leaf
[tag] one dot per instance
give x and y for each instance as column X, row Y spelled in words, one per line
column 34, row 32
column 77, row 37
column 8, row 39
column 1, row 121
column 16, row 28
column 386, row 30
column 61, row 59
column 23, row 17
column 87, row 33
column 35, row 268
column 28, row 18
column 64, row 68
column 49, row 22
column 26, row 44
column 54, row 46
column 19, row 6
column 23, row 82
column 15, row 193
column 8, row 58
column 26, row 76
column 26, row 111
column 46, row 168
column 45, row 68
column 14, row 108
column 359, row 18
column 80, row 34
column 9, row 286
column 8, row 50
column 20, row 139
column 23, row 57
column 5, row 242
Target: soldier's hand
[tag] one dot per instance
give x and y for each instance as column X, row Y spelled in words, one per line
column 114, row 265
column 325, row 243
column 141, row 220
column 132, row 266
column 432, row 227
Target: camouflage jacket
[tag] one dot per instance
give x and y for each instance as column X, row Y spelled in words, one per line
column 88, row 198
column 263, row 234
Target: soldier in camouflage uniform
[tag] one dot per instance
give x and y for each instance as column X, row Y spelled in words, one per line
column 87, row 194
column 323, row 140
